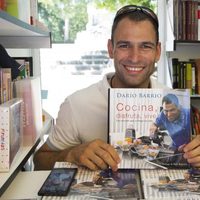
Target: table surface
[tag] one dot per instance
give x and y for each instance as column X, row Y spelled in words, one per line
column 26, row 185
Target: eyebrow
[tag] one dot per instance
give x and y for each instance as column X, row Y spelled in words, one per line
column 144, row 42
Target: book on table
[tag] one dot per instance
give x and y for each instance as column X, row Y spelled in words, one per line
column 146, row 131
column 149, row 184
column 103, row 184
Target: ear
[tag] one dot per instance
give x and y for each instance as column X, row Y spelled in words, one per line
column 110, row 48
column 158, row 51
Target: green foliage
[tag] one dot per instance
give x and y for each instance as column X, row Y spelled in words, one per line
column 54, row 13
column 113, row 5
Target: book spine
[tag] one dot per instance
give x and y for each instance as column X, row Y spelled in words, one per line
column 5, row 84
column 188, row 76
column 193, row 79
column 198, row 15
column 175, row 72
column 4, row 140
column 197, row 70
column 12, row 8
column 3, row 4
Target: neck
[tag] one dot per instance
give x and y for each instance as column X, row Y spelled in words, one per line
column 113, row 85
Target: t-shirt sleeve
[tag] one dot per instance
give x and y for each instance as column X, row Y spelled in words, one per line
column 64, row 133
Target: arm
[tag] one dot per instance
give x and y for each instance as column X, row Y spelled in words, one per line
column 94, row 155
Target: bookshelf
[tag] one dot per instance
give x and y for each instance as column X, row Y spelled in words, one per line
column 22, row 157
column 18, row 34
column 22, row 37
column 176, row 42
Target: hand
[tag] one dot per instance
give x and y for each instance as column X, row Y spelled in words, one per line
column 95, row 155
column 153, row 129
column 192, row 152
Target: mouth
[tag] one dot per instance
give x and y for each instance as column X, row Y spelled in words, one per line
column 134, row 68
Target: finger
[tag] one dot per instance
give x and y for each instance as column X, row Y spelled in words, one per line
column 87, row 162
column 195, row 162
column 107, row 158
column 193, row 144
column 99, row 162
column 111, row 150
column 192, row 154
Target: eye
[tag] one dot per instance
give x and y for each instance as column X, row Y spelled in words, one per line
column 123, row 45
column 147, row 46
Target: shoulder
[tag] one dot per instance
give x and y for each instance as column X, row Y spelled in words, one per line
column 97, row 92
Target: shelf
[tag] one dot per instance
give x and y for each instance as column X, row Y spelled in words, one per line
column 21, row 158
column 186, row 43
column 15, row 33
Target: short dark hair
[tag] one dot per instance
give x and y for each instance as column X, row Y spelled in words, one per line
column 135, row 13
column 171, row 99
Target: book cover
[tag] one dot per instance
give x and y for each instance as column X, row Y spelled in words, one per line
column 10, row 131
column 149, row 127
column 171, row 184
column 30, row 91
column 104, row 184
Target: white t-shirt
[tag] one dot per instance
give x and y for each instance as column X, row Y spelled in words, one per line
column 83, row 116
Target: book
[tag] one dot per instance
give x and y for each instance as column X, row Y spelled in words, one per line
column 158, row 184
column 10, row 132
column 12, row 8
column 29, row 90
column 5, row 84
column 170, row 184
column 26, row 66
column 104, row 184
column 2, row 4
column 197, row 71
column 148, row 127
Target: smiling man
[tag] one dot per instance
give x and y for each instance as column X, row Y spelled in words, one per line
column 80, row 133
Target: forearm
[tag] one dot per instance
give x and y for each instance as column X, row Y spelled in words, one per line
column 45, row 159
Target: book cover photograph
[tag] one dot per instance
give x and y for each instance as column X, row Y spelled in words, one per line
column 149, row 127
column 104, row 184
column 171, row 184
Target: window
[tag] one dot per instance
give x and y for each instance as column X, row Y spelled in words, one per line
column 72, row 65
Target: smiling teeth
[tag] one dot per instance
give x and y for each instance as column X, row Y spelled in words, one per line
column 134, row 69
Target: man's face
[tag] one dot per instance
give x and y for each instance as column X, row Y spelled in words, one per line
column 171, row 111
column 135, row 52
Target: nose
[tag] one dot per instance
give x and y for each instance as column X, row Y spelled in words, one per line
column 134, row 54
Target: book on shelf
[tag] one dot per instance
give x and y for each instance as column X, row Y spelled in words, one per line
column 185, row 74
column 104, row 184
column 185, row 19
column 12, row 8
column 5, row 84
column 197, row 72
column 26, row 66
column 2, row 4
column 149, row 127
column 30, row 91
column 11, row 132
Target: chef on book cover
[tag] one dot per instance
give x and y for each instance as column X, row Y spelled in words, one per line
column 150, row 124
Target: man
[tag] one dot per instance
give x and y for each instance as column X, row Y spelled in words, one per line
column 175, row 119
column 80, row 133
